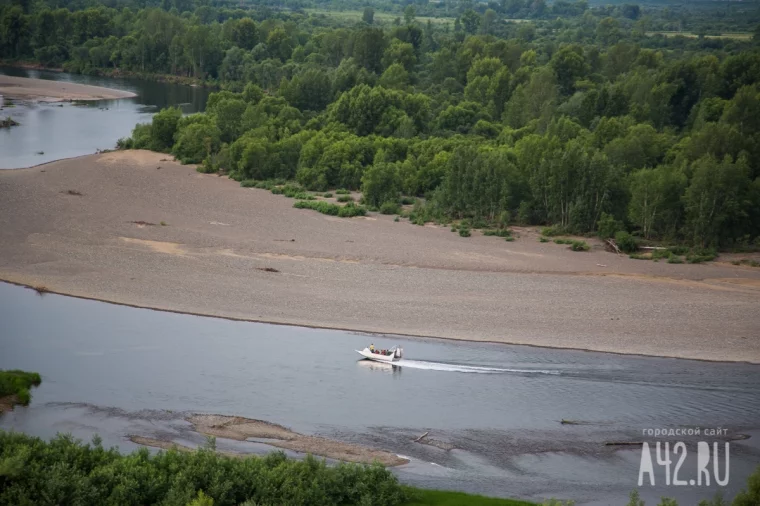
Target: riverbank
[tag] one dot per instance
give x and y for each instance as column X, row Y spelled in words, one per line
column 136, row 228
column 22, row 88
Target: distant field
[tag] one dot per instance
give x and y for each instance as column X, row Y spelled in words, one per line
column 380, row 17
column 692, row 35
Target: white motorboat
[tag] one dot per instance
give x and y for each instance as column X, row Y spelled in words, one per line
column 388, row 356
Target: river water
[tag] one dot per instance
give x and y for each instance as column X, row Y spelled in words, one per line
column 65, row 129
column 116, row 371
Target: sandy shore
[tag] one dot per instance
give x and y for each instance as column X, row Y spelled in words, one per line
column 22, row 88
column 91, row 227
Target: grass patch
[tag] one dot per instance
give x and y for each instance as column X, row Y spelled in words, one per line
column 498, row 232
column 342, row 191
column 420, row 497
column 543, row 239
column 348, row 211
column 327, row 195
column 675, row 259
column 345, row 198
column 574, row 244
column 509, row 239
column 390, row 208
column 639, row 256
column 698, row 259
column 746, row 261
column 18, row 383
column 552, row 231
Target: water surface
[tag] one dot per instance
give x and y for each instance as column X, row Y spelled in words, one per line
column 66, row 129
column 116, row 371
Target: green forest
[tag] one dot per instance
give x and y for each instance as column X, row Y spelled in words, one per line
column 588, row 118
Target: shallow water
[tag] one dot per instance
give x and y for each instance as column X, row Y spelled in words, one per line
column 63, row 130
column 116, row 371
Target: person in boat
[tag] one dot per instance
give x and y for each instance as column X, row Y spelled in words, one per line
column 372, row 348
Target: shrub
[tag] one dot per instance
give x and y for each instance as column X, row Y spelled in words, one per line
column 661, row 253
column 342, row 191
column 498, row 233
column 396, row 218
column 345, row 198
column 479, row 223
column 249, row 183
column 509, row 239
column 347, row 211
column 626, row 242
column 636, row 256
column 464, row 232
column 608, row 226
column 551, row 231
column 563, row 240
column 679, row 250
column 675, row 259
column 390, row 208
column 543, row 239
column 579, row 246
column 327, row 195
column 406, row 201
column 36, row 470
column 698, row 259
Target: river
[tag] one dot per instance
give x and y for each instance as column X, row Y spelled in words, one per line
column 116, row 371
column 52, row 131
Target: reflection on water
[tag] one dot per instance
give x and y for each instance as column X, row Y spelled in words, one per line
column 51, row 131
column 500, row 407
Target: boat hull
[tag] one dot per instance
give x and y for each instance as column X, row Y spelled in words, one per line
column 377, row 357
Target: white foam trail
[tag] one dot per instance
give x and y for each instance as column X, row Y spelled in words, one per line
column 438, row 366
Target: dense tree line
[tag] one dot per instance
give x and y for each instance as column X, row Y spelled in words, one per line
column 571, row 121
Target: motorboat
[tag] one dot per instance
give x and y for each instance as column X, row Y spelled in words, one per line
column 387, row 356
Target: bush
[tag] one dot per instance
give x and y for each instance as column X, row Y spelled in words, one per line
column 579, row 246
column 661, row 253
column 406, row 201
column 347, row 211
column 498, row 233
column 67, row 470
column 626, row 242
column 390, row 208
column 698, row 259
column 327, row 195
column 552, row 231
column 342, row 192
column 464, row 232
column 345, row 198
column 675, row 259
column 608, row 226
column 249, row 183
column 18, row 383
column 543, row 239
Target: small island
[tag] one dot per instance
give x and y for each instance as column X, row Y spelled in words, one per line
column 15, row 388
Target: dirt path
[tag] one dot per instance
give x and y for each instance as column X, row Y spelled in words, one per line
column 92, row 227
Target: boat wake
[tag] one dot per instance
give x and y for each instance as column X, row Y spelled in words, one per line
column 439, row 366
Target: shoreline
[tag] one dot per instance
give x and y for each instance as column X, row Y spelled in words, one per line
column 48, row 291
column 30, row 89
column 365, row 275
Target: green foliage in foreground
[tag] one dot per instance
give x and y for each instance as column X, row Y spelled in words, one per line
column 18, row 383
column 348, row 211
column 445, row 498
column 64, row 471
column 575, row 244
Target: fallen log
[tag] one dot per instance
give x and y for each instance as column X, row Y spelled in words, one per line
column 422, row 436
